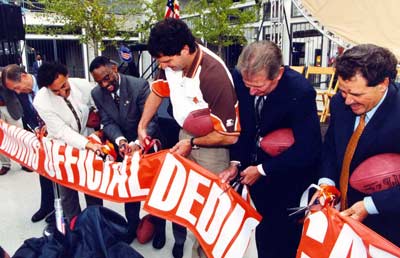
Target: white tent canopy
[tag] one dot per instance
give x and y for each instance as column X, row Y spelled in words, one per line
column 360, row 21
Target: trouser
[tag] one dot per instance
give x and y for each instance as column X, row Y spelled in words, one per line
column 132, row 210
column 214, row 159
column 70, row 202
column 46, row 194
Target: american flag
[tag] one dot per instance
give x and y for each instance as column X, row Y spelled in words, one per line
column 172, row 9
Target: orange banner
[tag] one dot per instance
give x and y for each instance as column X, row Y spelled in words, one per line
column 171, row 186
column 328, row 234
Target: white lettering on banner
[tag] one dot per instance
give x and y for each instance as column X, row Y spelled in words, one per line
column 347, row 244
column 190, row 195
column 171, row 170
column 93, row 176
column 318, row 226
column 58, row 159
column 48, row 159
column 118, row 180
column 133, row 182
column 228, row 232
column 216, row 209
column 216, row 225
column 242, row 239
column 348, row 241
column 22, row 145
column 69, row 161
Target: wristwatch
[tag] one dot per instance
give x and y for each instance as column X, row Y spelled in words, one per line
column 194, row 146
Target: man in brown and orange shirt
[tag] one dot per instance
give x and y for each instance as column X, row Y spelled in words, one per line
column 198, row 83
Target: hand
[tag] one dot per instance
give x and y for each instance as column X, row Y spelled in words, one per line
column 250, row 175
column 357, row 211
column 142, row 134
column 95, row 147
column 124, row 148
column 229, row 173
column 321, row 199
column 182, row 148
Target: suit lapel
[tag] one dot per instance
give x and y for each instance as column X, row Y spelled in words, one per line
column 124, row 98
column 369, row 134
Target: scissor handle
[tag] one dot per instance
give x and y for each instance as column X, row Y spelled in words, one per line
column 149, row 143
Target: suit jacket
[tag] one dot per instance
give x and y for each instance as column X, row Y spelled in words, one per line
column 35, row 67
column 123, row 121
column 14, row 107
column 58, row 117
column 291, row 105
column 381, row 135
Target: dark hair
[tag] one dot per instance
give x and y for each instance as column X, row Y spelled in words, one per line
column 100, row 61
column 260, row 56
column 12, row 72
column 49, row 72
column 2, row 252
column 169, row 36
column 372, row 62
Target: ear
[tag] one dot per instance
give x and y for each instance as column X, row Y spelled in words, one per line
column 280, row 73
column 185, row 50
column 383, row 85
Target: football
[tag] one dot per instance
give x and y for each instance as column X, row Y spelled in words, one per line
column 377, row 173
column 277, row 141
column 145, row 230
column 198, row 122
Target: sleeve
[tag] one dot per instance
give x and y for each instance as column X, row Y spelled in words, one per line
column 328, row 168
column 219, row 93
column 305, row 152
column 387, row 201
column 152, row 128
column 160, row 85
column 58, row 128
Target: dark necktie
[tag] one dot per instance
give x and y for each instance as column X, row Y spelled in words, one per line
column 116, row 100
column 74, row 112
column 348, row 156
column 258, row 108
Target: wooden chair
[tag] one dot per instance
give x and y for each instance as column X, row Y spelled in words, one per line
column 323, row 75
column 299, row 69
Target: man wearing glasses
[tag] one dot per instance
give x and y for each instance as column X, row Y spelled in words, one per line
column 120, row 100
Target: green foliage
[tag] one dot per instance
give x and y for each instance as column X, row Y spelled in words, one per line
column 153, row 11
column 98, row 19
column 218, row 23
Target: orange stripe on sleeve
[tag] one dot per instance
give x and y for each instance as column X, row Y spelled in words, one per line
column 161, row 88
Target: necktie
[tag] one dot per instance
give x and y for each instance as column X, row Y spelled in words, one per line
column 258, row 107
column 116, row 100
column 348, row 156
column 78, row 122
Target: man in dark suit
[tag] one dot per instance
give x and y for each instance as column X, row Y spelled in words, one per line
column 276, row 183
column 36, row 65
column 11, row 112
column 16, row 79
column 369, row 99
column 120, row 100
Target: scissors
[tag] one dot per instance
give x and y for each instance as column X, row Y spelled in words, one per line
column 235, row 183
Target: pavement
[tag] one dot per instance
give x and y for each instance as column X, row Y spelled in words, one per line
column 20, row 195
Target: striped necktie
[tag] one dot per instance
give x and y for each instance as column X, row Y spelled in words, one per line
column 78, row 122
column 348, row 156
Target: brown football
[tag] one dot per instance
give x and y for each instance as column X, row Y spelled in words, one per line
column 377, row 173
column 277, row 141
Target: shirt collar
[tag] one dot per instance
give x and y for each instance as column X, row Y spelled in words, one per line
column 370, row 113
column 35, row 86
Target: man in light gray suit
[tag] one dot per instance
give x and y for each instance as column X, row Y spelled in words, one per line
column 120, row 100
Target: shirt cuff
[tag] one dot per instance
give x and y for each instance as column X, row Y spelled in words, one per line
column 261, row 170
column 370, row 206
column 327, row 181
column 118, row 139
